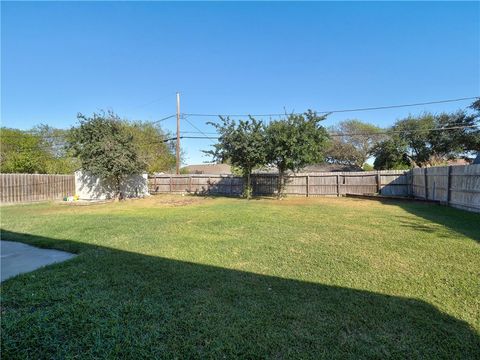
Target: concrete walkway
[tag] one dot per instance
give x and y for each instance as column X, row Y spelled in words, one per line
column 18, row 258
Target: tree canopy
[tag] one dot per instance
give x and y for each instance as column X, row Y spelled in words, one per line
column 429, row 139
column 353, row 142
column 106, row 149
column 39, row 150
column 149, row 142
column 242, row 144
column 287, row 144
column 295, row 142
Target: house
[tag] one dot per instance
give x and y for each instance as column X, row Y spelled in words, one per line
column 330, row 168
column 316, row 168
column 211, row 169
column 477, row 159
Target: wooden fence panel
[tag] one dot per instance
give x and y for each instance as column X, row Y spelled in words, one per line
column 419, row 183
column 18, row 188
column 458, row 186
column 313, row 184
column 465, row 187
column 322, row 185
column 437, row 178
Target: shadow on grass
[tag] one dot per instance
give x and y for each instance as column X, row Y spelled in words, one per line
column 108, row 303
column 460, row 221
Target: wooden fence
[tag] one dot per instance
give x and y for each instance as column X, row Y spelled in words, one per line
column 386, row 182
column 457, row 186
column 17, row 188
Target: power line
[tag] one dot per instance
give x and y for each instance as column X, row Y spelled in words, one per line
column 387, row 132
column 211, row 138
column 163, row 119
column 196, row 128
column 344, row 110
column 367, row 134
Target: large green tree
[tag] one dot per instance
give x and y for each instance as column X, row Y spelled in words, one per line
column 39, row 150
column 295, row 142
column 106, row 149
column 391, row 155
column 242, row 144
column 55, row 141
column 22, row 152
column 151, row 146
column 429, row 139
column 353, row 142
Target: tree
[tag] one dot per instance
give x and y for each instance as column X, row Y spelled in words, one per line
column 105, row 149
column 414, row 133
column 462, row 137
column 22, row 152
column 55, row 141
column 390, row 154
column 341, row 152
column 295, row 142
column 242, row 144
column 39, row 150
column 429, row 139
column 353, row 142
column 149, row 142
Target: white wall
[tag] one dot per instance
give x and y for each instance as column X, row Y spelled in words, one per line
column 89, row 187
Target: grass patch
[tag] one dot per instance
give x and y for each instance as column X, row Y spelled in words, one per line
column 172, row 277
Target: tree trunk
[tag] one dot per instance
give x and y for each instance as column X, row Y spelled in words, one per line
column 118, row 194
column 281, row 182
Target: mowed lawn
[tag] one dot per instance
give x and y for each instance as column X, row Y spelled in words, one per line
column 187, row 277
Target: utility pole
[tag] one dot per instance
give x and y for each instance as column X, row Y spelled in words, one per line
column 178, row 134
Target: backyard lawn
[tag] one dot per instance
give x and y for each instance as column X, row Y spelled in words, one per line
column 187, row 277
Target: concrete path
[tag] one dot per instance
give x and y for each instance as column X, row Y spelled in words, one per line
column 18, row 258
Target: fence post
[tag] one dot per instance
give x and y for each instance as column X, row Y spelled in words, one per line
column 379, row 183
column 425, row 181
column 308, row 184
column 154, row 183
column 338, row 185
column 189, row 183
column 449, row 184
column 170, row 184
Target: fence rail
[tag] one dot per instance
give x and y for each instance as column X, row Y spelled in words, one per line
column 18, row 188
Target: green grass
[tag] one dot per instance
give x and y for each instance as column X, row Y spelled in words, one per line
column 227, row 278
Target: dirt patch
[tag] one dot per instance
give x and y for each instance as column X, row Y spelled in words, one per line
column 167, row 200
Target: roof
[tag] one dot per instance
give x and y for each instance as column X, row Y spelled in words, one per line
column 459, row 161
column 477, row 159
column 314, row 168
column 330, row 168
column 213, row 169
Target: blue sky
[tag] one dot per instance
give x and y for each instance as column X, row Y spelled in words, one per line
column 61, row 58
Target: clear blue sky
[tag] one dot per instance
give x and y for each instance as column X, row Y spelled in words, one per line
column 60, row 58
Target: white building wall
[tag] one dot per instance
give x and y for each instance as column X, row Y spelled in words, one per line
column 89, row 187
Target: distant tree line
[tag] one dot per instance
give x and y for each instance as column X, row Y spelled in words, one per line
column 48, row 150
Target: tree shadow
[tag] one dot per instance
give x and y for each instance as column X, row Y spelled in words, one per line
column 456, row 220
column 107, row 303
